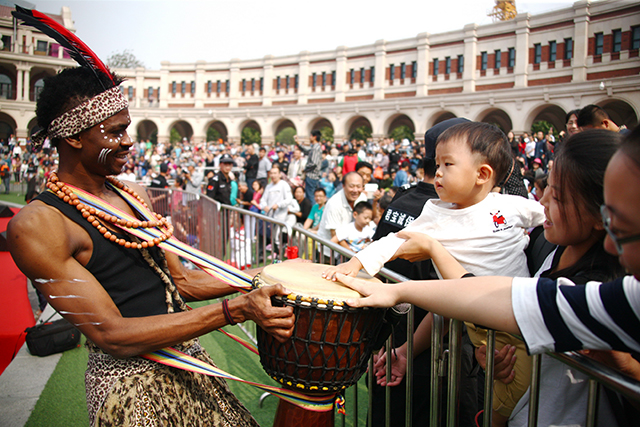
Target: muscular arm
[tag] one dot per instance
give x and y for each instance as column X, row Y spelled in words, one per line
column 55, row 260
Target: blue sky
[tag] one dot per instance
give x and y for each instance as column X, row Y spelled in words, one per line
column 219, row 30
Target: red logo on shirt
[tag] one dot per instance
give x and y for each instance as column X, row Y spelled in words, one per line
column 498, row 219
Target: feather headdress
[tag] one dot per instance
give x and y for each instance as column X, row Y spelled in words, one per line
column 78, row 50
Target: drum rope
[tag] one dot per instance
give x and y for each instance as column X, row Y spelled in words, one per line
column 230, row 275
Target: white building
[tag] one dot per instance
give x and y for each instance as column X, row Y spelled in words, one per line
column 511, row 73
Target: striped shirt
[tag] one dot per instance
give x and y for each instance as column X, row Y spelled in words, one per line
column 559, row 316
column 312, row 168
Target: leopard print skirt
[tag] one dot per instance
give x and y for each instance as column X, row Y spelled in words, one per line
column 140, row 392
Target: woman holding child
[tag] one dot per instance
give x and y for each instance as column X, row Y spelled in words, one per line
column 550, row 312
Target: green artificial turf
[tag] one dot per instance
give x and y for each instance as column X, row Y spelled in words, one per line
column 62, row 402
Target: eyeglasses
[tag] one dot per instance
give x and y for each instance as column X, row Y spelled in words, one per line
column 618, row 242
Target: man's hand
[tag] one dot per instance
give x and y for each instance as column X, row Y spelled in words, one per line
column 398, row 366
column 277, row 321
column 349, row 268
column 503, row 364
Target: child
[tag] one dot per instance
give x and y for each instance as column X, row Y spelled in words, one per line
column 484, row 231
column 357, row 234
column 313, row 220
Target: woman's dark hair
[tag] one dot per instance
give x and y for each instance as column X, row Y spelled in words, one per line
column 261, row 182
column 579, row 169
column 571, row 113
column 485, row 139
column 68, row 89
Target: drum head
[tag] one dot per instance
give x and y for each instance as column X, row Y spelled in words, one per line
column 305, row 280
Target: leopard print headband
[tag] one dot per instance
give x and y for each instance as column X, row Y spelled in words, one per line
column 86, row 115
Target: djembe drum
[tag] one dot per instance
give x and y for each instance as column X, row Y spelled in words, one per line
column 331, row 342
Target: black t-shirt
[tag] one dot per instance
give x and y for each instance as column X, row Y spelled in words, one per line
column 219, row 188
column 251, row 169
column 159, row 182
column 305, row 208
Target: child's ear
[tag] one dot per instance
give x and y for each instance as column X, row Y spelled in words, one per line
column 485, row 174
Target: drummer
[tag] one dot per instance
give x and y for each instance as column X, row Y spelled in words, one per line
column 128, row 298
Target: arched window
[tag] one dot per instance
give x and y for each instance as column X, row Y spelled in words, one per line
column 6, row 87
column 37, row 88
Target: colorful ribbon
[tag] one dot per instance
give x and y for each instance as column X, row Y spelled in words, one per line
column 216, row 268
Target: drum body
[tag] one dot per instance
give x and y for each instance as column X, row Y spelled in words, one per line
column 331, row 342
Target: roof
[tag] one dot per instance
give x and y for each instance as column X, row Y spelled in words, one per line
column 5, row 12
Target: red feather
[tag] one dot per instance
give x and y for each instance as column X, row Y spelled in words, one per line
column 78, row 50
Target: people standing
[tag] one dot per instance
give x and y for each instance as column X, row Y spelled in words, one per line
column 313, row 167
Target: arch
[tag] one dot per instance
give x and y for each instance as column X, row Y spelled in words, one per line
column 252, row 134
column 497, row 117
column 551, row 113
column 441, row 117
column 7, row 82
column 147, row 130
column 33, row 126
column 219, row 128
column 357, row 122
column 36, row 83
column 7, row 126
column 281, row 124
column 183, row 128
column 620, row 111
column 320, row 123
column 397, row 120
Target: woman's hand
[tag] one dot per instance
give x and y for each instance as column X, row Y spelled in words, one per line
column 417, row 246
column 376, row 294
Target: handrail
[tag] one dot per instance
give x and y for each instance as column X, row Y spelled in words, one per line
column 185, row 205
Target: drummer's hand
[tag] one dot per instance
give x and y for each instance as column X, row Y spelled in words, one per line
column 349, row 268
column 277, row 321
column 398, row 366
column 376, row 294
column 417, row 246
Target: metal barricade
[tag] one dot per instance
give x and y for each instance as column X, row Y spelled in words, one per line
column 247, row 239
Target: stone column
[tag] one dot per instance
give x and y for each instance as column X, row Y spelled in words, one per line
column 267, row 90
column 341, row 76
column 303, row 78
column 580, row 41
column 165, row 91
column 140, row 87
column 470, row 53
column 19, row 81
column 422, row 85
column 522, row 50
column 200, row 82
column 380, row 69
column 234, row 79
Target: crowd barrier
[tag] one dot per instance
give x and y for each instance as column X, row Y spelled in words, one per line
column 248, row 239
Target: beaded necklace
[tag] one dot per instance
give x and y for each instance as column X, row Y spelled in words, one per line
column 93, row 216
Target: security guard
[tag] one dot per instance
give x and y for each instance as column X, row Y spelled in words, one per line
column 219, row 186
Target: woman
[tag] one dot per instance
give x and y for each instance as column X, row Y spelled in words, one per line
column 572, row 122
column 571, row 204
column 303, row 203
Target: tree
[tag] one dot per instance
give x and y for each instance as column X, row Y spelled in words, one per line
column 401, row 132
column 362, row 133
column 327, row 134
column 124, row 59
column 213, row 135
column 174, row 136
column 542, row 126
column 286, row 136
column 250, row 136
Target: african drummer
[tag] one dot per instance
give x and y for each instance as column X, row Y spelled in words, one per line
column 125, row 294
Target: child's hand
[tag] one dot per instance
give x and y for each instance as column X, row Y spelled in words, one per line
column 417, row 246
column 349, row 268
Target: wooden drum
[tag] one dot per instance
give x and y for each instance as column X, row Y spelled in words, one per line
column 331, row 342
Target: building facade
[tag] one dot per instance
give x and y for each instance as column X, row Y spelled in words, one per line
column 512, row 73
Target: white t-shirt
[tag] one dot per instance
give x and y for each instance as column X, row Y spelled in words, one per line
column 488, row 238
column 277, row 194
column 357, row 240
column 337, row 212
